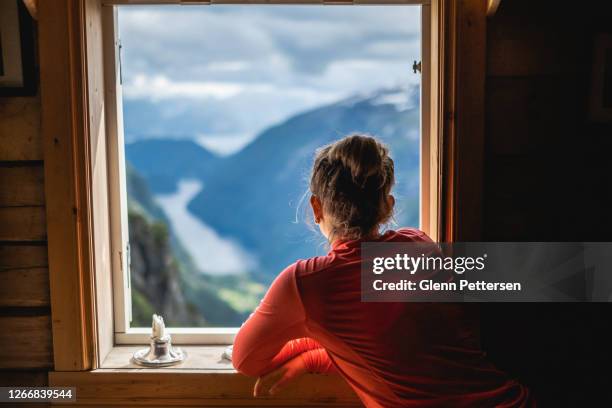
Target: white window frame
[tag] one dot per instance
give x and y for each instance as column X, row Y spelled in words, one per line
column 123, row 333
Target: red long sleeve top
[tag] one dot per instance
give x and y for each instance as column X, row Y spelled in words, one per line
column 391, row 354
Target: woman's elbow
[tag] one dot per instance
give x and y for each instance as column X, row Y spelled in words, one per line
column 242, row 355
column 248, row 369
column 243, row 364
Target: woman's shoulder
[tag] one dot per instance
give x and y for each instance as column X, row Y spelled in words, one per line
column 407, row 234
column 311, row 265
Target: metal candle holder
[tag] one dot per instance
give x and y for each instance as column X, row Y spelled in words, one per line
column 160, row 352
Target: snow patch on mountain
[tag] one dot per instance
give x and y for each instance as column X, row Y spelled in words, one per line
column 402, row 99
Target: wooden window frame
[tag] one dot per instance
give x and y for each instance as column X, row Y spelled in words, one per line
column 123, row 333
column 75, row 118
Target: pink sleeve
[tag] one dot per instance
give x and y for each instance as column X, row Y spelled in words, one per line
column 315, row 357
column 278, row 319
column 318, row 361
column 292, row 349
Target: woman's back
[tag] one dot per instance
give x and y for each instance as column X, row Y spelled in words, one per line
column 392, row 354
column 397, row 354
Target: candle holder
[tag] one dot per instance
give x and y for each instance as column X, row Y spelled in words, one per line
column 160, row 353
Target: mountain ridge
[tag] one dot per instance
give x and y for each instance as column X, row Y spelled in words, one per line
column 252, row 196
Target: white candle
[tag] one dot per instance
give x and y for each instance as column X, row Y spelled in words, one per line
column 159, row 328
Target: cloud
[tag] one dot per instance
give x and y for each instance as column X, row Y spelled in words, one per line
column 160, row 87
column 184, row 42
column 229, row 69
column 231, row 66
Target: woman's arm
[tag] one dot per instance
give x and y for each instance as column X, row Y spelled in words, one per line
column 293, row 348
column 318, row 361
column 315, row 357
column 310, row 361
column 278, row 318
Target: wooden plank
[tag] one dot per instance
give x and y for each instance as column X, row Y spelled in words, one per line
column 14, row 378
column 64, row 130
column 24, row 275
column 24, row 287
column 200, row 358
column 431, row 100
column 508, row 116
column 522, row 40
column 505, row 221
column 527, row 115
column 179, row 388
column 25, row 342
column 515, row 178
column 117, row 192
column 25, row 379
column 14, row 256
column 20, row 137
column 464, row 127
column 99, row 181
column 23, row 224
column 22, row 185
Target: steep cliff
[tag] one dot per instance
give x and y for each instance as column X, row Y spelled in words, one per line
column 163, row 277
column 156, row 276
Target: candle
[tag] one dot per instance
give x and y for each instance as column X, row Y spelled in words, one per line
column 159, row 327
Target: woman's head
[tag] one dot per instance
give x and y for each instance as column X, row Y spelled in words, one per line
column 351, row 183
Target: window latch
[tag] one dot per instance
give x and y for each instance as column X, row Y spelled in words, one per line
column 119, row 57
column 128, row 262
column 416, row 67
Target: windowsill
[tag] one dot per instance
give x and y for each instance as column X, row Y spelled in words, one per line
column 203, row 379
column 204, row 358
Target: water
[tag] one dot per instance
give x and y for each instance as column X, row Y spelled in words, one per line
column 212, row 253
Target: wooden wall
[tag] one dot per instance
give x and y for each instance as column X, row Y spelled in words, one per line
column 548, row 177
column 25, row 322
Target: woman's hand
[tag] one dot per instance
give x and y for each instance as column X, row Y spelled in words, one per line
column 278, row 379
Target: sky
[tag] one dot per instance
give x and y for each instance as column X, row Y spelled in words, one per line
column 221, row 74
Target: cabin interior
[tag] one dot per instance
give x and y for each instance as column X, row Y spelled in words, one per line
column 538, row 170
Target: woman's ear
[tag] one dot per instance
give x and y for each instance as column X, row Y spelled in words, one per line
column 317, row 208
column 390, row 201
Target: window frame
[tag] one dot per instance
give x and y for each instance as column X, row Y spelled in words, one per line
column 75, row 113
column 124, row 334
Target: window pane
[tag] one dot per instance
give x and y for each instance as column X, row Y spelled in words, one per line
column 224, row 107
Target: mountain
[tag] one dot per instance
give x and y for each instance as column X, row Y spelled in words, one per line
column 145, row 119
column 254, row 196
column 163, row 162
column 163, row 278
column 155, row 276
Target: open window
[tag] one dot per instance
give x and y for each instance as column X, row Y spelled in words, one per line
column 212, row 133
column 83, row 112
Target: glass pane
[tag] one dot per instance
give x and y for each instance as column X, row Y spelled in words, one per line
column 224, row 107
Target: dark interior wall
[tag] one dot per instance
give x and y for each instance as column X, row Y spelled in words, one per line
column 548, row 177
column 25, row 321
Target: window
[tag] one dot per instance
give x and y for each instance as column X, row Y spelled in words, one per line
column 214, row 132
column 86, row 229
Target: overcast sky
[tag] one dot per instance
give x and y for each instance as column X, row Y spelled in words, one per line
column 223, row 73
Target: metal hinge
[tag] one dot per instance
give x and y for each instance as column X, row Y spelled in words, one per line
column 128, row 295
column 128, row 263
column 416, row 67
column 120, row 58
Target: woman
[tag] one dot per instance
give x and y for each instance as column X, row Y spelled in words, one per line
column 392, row 354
